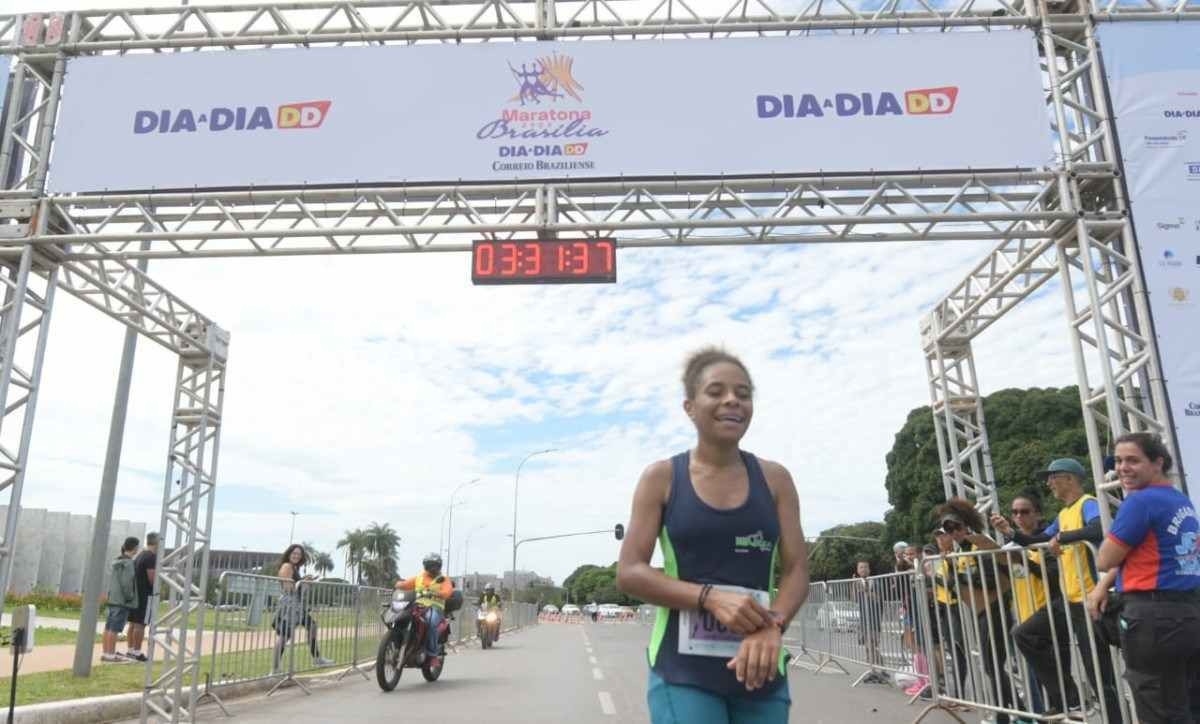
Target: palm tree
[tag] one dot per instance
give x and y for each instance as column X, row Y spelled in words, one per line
column 322, row 562
column 381, row 544
column 355, row 543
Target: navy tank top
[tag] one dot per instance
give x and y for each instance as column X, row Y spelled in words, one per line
column 702, row 544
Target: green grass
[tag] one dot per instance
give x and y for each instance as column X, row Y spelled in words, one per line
column 107, row 679
column 43, row 636
column 70, row 613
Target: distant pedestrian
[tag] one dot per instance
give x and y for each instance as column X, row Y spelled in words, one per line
column 122, row 599
column 144, row 569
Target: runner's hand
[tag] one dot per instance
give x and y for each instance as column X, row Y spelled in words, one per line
column 737, row 612
column 757, row 659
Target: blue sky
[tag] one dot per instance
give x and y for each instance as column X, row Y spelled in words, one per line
column 367, row 389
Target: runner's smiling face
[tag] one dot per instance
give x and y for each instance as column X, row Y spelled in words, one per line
column 723, row 405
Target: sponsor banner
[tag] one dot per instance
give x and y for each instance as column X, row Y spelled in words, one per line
column 504, row 111
column 1154, row 80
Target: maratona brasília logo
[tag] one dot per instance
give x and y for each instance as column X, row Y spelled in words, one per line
column 548, row 78
column 544, row 119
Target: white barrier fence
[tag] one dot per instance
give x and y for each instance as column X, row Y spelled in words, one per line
column 267, row 628
column 1000, row 631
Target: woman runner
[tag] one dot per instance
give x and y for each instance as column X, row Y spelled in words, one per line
column 727, row 522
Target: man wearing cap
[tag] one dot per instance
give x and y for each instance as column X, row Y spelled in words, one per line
column 1077, row 522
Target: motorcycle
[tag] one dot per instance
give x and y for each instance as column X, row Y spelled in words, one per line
column 403, row 645
column 488, row 624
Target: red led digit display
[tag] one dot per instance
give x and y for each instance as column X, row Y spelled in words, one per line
column 544, row 261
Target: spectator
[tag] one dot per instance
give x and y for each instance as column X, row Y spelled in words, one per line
column 899, row 560
column 293, row 610
column 122, row 598
column 143, row 578
column 1033, row 575
column 870, row 607
column 981, row 586
column 1077, row 522
column 1153, row 554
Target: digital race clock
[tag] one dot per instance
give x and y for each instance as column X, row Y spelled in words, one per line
column 544, row 261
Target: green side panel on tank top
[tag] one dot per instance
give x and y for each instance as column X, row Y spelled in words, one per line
column 663, row 615
column 771, row 589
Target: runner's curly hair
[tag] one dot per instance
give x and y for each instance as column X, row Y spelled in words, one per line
column 961, row 509
column 701, row 360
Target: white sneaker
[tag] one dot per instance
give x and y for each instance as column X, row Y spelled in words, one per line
column 322, row 661
column 113, row 659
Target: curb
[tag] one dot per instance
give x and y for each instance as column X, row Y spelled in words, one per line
column 119, row 707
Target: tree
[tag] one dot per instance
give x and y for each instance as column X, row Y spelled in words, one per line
column 832, row 557
column 381, row 544
column 355, row 543
column 589, row 583
column 322, row 562
column 1026, row 430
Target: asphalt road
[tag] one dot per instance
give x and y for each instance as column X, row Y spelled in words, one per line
column 582, row 674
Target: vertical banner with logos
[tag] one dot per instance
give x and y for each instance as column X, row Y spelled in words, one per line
column 1153, row 74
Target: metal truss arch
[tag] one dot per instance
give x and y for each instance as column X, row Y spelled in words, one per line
column 1067, row 220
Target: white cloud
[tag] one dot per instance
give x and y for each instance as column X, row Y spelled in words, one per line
column 358, row 387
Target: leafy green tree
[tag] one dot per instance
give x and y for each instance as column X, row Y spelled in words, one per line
column 590, row 583
column 1026, row 430
column 836, row 551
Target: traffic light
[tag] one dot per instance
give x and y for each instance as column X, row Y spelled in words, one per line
column 619, row 531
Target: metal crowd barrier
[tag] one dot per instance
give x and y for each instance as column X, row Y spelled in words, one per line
column 968, row 629
column 267, row 628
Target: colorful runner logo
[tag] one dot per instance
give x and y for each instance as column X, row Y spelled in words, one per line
column 546, row 78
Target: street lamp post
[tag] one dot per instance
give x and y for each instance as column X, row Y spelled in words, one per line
column 467, row 549
column 516, row 489
column 450, row 526
column 442, row 527
column 292, row 535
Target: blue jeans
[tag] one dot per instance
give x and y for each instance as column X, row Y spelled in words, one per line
column 433, row 617
column 673, row 704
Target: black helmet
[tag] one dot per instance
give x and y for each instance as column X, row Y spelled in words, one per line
column 490, row 588
column 433, row 564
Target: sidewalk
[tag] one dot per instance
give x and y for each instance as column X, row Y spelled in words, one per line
column 62, row 656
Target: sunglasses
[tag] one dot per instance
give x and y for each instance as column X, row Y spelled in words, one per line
column 951, row 527
column 1022, row 511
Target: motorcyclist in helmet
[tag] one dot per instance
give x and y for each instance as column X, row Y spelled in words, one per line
column 489, row 600
column 432, row 589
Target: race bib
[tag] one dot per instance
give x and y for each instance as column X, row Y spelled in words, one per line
column 701, row 634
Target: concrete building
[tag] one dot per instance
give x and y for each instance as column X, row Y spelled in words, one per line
column 52, row 549
column 525, row 579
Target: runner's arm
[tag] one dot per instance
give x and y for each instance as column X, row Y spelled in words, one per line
column 635, row 576
column 793, row 551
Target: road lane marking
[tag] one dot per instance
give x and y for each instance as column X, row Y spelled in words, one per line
column 592, row 660
column 597, row 674
column 606, row 704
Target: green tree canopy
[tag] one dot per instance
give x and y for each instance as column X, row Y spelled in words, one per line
column 591, row 583
column 1026, row 430
column 836, row 551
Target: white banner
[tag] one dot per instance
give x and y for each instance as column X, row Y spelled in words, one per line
column 503, row 111
column 1154, row 79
